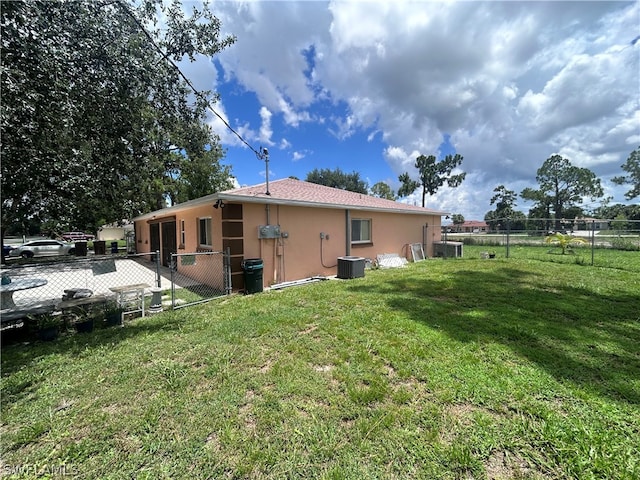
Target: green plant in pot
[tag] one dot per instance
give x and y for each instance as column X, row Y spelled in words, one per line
column 47, row 326
column 82, row 320
column 113, row 314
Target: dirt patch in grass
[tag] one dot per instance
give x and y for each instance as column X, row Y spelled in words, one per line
column 245, row 412
column 266, row 367
column 459, row 417
column 504, row 465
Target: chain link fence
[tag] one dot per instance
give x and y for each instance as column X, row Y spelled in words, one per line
column 199, row 277
column 45, row 283
column 93, row 275
column 591, row 242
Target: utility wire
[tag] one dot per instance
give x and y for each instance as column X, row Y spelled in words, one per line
column 260, row 155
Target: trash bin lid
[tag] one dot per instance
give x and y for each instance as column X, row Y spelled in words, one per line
column 251, row 263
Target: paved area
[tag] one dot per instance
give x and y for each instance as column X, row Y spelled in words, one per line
column 97, row 275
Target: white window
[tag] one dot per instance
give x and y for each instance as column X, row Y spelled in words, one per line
column 182, row 234
column 361, row 230
column 204, row 232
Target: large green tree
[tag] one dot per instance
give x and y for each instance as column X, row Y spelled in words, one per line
column 632, row 167
column 562, row 186
column 505, row 202
column 383, row 190
column 432, row 175
column 97, row 124
column 338, row 179
column 631, row 212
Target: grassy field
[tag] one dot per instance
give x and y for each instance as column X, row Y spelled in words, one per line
column 578, row 255
column 445, row 369
column 625, row 255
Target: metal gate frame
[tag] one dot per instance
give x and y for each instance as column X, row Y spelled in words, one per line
column 226, row 265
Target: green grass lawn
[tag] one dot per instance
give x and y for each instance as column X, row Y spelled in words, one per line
column 504, row 368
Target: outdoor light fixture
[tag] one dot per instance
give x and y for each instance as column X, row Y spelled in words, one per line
column 219, row 204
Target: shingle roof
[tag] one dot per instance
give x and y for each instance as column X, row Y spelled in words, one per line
column 298, row 192
column 289, row 191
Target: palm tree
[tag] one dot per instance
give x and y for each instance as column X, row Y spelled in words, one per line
column 563, row 241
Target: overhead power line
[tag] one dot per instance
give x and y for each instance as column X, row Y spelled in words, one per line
column 263, row 154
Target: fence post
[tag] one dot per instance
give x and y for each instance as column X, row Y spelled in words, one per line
column 158, row 263
column 227, row 271
column 173, row 268
column 593, row 239
column 508, row 235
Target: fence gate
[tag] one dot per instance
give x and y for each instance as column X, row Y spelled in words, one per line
column 199, row 277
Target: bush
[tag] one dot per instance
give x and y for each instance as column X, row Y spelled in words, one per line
column 620, row 243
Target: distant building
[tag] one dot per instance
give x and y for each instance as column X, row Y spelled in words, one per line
column 472, row 226
column 114, row 231
column 587, row 223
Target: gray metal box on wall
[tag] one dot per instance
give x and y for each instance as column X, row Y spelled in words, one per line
column 350, row 267
column 269, row 231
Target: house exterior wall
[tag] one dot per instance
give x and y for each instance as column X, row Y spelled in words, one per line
column 190, row 217
column 301, row 253
column 201, row 271
column 304, row 254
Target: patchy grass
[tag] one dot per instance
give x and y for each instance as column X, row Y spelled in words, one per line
column 445, row 369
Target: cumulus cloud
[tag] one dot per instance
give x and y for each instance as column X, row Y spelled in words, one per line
column 299, row 155
column 510, row 82
column 265, row 127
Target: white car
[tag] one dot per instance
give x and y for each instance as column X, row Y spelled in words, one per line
column 43, row 248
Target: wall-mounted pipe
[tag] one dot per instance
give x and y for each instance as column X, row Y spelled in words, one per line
column 347, row 229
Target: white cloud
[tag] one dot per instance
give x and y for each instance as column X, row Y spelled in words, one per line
column 511, row 82
column 298, row 156
column 265, row 128
column 284, row 144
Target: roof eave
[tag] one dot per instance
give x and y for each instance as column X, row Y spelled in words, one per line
column 229, row 197
column 179, row 207
column 301, row 203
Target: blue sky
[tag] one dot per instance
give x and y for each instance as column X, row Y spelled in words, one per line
column 368, row 86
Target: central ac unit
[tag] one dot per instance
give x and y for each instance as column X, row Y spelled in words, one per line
column 350, row 267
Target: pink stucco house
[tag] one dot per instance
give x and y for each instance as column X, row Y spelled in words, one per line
column 299, row 229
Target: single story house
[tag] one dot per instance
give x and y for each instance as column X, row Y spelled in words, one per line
column 472, row 226
column 299, row 229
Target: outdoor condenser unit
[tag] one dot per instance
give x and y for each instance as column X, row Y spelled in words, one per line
column 350, row 267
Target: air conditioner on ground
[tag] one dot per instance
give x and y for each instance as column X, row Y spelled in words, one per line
column 350, row 267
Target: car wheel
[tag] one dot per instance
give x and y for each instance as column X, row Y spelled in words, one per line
column 72, row 252
column 26, row 254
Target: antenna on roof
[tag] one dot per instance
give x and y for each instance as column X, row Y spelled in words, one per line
column 264, row 155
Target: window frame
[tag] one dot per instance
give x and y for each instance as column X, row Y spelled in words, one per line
column 367, row 241
column 183, row 234
column 208, row 230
